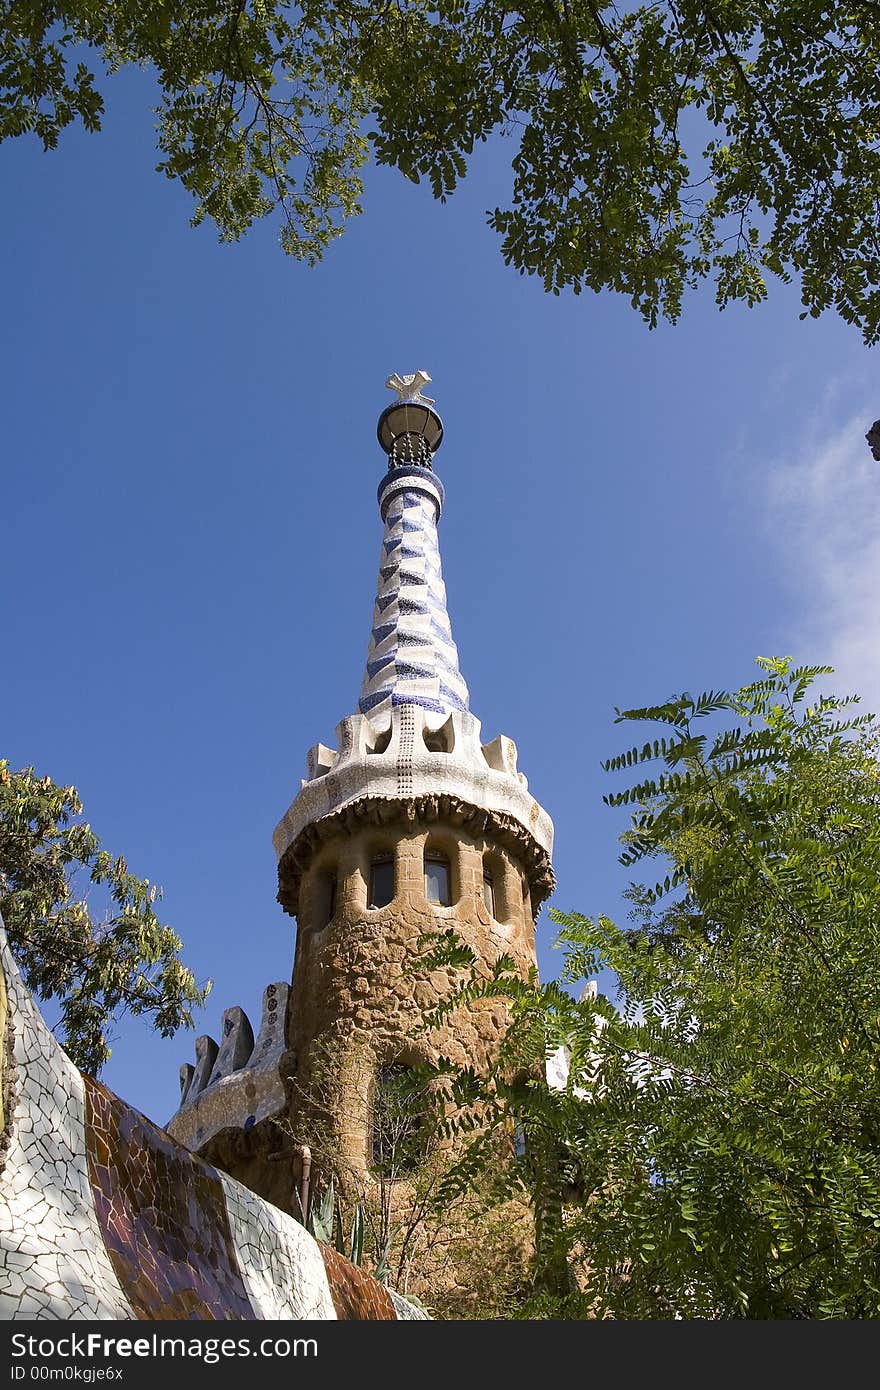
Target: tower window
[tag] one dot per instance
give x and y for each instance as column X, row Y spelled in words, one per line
column 325, row 898
column 437, row 887
column 489, row 892
column 440, row 740
column 397, row 1139
column 519, row 1140
column 382, row 742
column 495, row 894
column 381, row 881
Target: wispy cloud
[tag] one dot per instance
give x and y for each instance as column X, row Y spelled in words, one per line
column 824, row 511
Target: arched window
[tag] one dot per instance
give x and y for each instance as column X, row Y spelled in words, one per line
column 440, row 740
column 495, row 888
column 438, row 885
column 381, row 881
column 382, row 742
column 489, row 891
column 397, row 1137
column 519, row 1140
column 325, row 898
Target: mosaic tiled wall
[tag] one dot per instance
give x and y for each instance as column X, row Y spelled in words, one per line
column 162, row 1215
column 103, row 1215
column 53, row 1262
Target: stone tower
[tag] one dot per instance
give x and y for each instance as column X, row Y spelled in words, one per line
column 410, row 825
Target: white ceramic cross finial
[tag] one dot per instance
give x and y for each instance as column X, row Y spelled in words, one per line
column 409, row 388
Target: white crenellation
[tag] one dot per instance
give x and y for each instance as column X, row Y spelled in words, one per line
column 372, row 756
column 319, row 760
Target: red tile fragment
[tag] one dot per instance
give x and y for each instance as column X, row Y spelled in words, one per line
column 354, row 1293
column 163, row 1217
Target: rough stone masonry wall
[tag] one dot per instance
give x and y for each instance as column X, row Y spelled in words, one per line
column 351, row 990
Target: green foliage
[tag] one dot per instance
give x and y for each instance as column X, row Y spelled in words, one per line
column 398, row 1141
column 356, row 1246
column 327, row 1223
column 403, row 1221
column 127, row 961
column 322, row 1217
column 716, row 1150
column 259, row 102
column 657, row 145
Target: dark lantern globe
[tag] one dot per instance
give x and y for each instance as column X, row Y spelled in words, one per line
column 410, row 432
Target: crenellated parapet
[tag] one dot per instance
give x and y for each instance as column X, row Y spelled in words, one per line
column 414, row 759
column 238, row 1082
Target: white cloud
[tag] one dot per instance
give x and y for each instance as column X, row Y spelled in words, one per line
column 824, row 511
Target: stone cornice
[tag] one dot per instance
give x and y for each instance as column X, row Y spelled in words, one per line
column 477, row 821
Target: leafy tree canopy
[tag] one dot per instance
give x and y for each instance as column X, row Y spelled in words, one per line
column 657, row 144
column 95, row 969
column 716, row 1149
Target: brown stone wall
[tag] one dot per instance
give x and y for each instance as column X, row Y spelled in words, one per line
column 351, row 991
column 261, row 1158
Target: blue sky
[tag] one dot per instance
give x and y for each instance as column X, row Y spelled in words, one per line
column 191, row 537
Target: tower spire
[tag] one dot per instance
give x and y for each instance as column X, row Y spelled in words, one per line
column 410, row 824
column 412, row 658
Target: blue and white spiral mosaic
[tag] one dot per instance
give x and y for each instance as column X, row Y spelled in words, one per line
column 412, row 658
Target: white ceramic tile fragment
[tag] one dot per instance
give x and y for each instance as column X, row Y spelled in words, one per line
column 55, row 1262
column 280, row 1262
